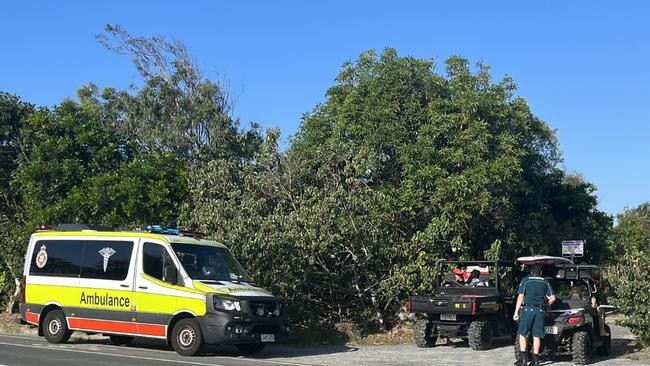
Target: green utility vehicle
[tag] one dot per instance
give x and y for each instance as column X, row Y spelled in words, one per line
column 472, row 300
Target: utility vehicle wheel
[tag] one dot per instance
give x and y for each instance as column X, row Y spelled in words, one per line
column 606, row 347
column 422, row 334
column 186, row 337
column 581, row 346
column 480, row 335
column 120, row 339
column 55, row 328
column 251, row 348
column 529, row 346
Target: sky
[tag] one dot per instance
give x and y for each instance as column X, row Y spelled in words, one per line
column 581, row 65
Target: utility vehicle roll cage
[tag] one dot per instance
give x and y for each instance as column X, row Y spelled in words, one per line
column 579, row 272
column 496, row 264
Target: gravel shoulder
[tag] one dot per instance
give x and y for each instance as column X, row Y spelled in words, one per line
column 455, row 354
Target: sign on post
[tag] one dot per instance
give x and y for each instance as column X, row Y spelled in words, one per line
column 573, row 248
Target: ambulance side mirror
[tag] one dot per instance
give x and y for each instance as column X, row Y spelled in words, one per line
column 171, row 275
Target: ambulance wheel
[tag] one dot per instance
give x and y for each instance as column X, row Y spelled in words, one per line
column 55, row 328
column 480, row 335
column 251, row 348
column 186, row 337
column 120, row 339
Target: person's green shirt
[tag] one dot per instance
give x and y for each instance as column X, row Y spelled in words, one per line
column 535, row 289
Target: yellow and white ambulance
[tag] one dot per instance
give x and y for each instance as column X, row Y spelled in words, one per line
column 159, row 284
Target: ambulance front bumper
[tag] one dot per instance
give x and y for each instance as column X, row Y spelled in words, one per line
column 229, row 328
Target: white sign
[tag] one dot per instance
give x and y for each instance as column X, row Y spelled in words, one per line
column 573, row 248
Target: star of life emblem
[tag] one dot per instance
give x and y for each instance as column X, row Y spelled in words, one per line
column 107, row 253
column 41, row 257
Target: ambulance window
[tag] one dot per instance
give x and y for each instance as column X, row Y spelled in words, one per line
column 154, row 260
column 106, row 260
column 61, row 258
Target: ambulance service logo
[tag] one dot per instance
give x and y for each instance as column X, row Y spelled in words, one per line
column 106, row 253
column 41, row 257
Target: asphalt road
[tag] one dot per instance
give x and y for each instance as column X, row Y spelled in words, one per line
column 17, row 350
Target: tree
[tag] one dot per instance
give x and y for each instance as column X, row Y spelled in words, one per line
column 177, row 109
column 400, row 167
column 13, row 114
column 629, row 275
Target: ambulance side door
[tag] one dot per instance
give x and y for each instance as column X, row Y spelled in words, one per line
column 155, row 295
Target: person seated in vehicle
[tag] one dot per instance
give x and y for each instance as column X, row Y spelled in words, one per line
column 475, row 279
column 459, row 275
column 577, row 294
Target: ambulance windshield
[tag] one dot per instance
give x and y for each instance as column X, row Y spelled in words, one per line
column 203, row 262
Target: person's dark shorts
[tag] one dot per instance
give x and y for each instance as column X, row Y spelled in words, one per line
column 532, row 320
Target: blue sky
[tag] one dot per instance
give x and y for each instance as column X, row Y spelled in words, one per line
column 582, row 65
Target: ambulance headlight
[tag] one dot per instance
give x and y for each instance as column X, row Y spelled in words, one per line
column 227, row 305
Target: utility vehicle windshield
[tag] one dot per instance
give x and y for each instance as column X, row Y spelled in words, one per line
column 203, row 262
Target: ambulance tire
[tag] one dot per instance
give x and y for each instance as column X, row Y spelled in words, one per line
column 186, row 337
column 120, row 340
column 250, row 348
column 55, row 328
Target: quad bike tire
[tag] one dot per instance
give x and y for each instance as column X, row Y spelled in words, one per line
column 480, row 335
column 581, row 348
column 422, row 334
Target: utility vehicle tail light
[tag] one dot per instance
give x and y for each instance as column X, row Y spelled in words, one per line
column 409, row 305
column 473, row 308
column 574, row 320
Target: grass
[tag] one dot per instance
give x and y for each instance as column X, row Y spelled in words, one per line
column 9, row 324
column 330, row 335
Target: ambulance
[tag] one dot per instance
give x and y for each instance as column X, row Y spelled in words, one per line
column 156, row 283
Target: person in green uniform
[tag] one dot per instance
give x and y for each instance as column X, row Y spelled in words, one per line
column 533, row 294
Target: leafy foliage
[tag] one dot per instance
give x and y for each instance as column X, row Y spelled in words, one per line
column 399, row 168
column 13, row 115
column 629, row 276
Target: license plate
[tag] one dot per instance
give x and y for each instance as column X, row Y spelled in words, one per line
column 550, row 330
column 451, row 317
column 268, row 337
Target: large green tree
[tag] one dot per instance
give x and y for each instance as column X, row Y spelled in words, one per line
column 400, row 167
